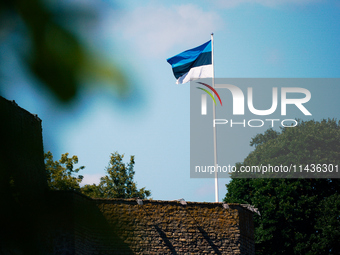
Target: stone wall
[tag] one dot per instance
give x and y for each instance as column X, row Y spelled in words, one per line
column 36, row 221
column 21, row 155
column 168, row 227
column 78, row 224
column 22, row 179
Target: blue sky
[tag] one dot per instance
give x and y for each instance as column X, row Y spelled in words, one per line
column 285, row 39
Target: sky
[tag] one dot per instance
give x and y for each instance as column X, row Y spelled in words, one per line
column 252, row 39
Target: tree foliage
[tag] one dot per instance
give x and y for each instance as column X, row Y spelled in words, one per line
column 58, row 57
column 118, row 183
column 60, row 174
column 298, row 216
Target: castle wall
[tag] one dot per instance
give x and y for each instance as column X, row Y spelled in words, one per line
column 82, row 225
column 168, row 227
column 34, row 220
column 21, row 156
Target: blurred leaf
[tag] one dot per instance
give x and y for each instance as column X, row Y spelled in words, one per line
column 58, row 57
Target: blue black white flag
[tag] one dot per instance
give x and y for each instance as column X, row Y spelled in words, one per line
column 192, row 64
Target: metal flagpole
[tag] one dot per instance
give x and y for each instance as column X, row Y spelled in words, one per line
column 214, row 117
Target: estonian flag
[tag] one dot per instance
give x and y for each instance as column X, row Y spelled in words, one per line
column 192, row 64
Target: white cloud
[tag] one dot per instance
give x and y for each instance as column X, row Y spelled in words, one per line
column 91, row 179
column 268, row 3
column 156, row 29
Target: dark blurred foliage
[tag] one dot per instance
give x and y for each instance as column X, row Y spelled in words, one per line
column 57, row 55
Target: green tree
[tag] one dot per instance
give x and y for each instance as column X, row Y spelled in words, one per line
column 118, row 183
column 298, row 216
column 326, row 239
column 60, row 174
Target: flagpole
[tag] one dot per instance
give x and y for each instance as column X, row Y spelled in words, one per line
column 214, row 117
